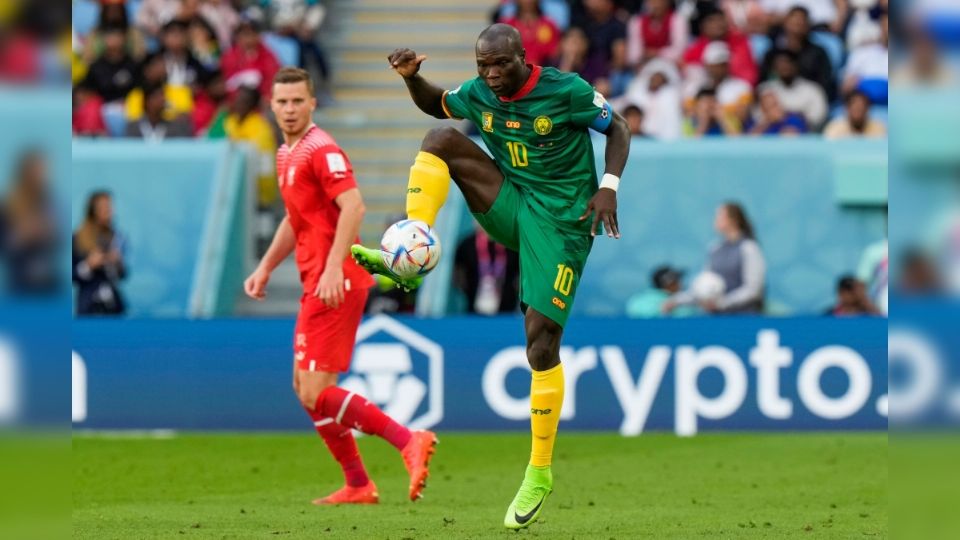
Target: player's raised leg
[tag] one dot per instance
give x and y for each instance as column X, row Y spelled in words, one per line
column 546, row 400
column 444, row 154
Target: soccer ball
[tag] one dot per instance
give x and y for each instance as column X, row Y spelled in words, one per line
column 707, row 286
column 410, row 248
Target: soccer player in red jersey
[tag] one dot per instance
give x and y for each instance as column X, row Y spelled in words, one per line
column 324, row 211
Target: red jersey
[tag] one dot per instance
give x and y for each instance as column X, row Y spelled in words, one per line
column 311, row 175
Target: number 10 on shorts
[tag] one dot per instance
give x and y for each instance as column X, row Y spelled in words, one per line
column 564, row 280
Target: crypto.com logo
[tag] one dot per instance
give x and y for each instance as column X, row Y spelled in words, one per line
column 383, row 372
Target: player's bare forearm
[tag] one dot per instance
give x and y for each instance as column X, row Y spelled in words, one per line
column 426, row 96
column 348, row 225
column 282, row 246
column 618, row 146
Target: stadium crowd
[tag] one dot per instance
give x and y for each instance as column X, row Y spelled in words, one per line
column 157, row 69
column 696, row 68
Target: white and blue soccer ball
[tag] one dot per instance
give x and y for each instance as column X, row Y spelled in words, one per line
column 410, row 248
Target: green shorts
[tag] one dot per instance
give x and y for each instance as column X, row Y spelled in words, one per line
column 551, row 260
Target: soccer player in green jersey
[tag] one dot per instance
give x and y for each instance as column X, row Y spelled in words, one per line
column 538, row 195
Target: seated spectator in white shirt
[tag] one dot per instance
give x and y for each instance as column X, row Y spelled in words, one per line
column 796, row 94
column 925, row 66
column 867, row 67
column 856, row 122
column 656, row 91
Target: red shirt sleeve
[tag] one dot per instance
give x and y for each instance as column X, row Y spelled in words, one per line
column 333, row 170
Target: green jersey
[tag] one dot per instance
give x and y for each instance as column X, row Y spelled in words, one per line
column 539, row 139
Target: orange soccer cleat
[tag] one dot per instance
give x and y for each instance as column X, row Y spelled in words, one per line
column 416, row 456
column 352, row 495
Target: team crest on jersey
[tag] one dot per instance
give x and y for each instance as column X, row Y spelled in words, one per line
column 291, row 172
column 488, row 122
column 543, row 125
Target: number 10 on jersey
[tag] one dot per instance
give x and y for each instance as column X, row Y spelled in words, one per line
column 564, row 280
column 518, row 154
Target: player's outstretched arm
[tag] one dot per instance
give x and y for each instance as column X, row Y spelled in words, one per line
column 282, row 245
column 428, row 98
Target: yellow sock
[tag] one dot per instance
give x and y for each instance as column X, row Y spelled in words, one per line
column 427, row 188
column 546, row 399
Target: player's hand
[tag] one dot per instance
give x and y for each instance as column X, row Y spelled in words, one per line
column 330, row 286
column 603, row 206
column 256, row 285
column 406, row 62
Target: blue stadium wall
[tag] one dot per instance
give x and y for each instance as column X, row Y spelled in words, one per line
column 465, row 373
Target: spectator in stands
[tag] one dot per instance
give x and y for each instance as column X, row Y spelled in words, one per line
column 607, row 52
column 867, row 67
column 925, row 66
column 113, row 15
column 301, row 21
column 734, row 95
column 657, row 32
column 249, row 62
column 183, row 69
column 153, row 72
column 210, row 111
column 856, row 122
column 746, row 16
column 222, row 17
column 773, row 119
column 709, row 119
column 87, row 112
column 918, row 274
column 204, row 45
column 154, row 14
column 714, row 27
column 540, row 36
column 573, row 52
column 246, row 123
column 98, row 264
column 487, row 273
column 558, row 11
column 666, row 281
column 796, row 94
column 852, row 299
column 113, row 75
column 634, row 116
column 154, row 126
column 737, row 259
column 656, row 91
column 826, row 15
column 28, row 233
column 812, row 59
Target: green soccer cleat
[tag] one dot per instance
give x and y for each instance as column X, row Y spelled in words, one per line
column 370, row 260
column 526, row 506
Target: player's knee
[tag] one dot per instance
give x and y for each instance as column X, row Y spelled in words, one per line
column 439, row 141
column 543, row 347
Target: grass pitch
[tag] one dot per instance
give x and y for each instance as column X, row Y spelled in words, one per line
column 606, row 486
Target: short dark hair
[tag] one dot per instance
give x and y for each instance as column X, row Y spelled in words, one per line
column 847, row 282
column 293, row 75
column 175, row 24
column 799, row 9
column 787, row 53
column 853, row 94
column 706, row 92
column 631, row 109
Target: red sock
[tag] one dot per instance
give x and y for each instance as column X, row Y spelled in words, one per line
column 343, row 446
column 354, row 411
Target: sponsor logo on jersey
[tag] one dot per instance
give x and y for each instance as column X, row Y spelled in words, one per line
column 488, row 122
column 559, row 303
column 291, row 172
column 543, row 125
column 513, row 124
